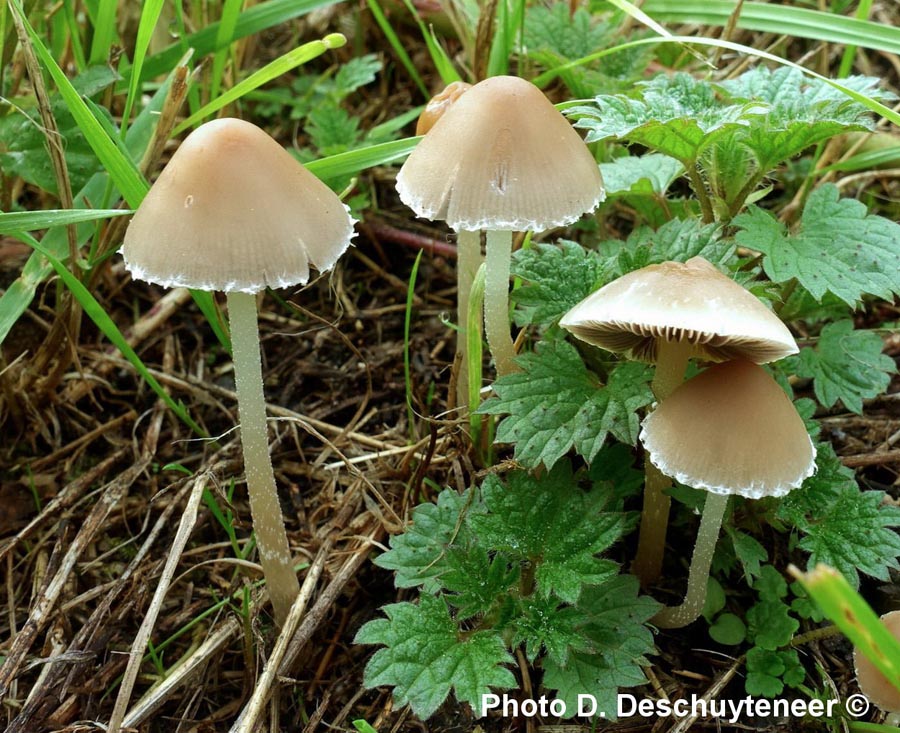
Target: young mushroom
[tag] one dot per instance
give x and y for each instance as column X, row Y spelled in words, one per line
column 500, row 159
column 872, row 683
column 668, row 313
column 233, row 211
column 731, row 430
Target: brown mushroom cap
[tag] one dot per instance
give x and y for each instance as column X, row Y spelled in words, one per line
column 872, row 683
column 234, row 211
column 439, row 104
column 730, row 430
column 501, row 157
column 690, row 301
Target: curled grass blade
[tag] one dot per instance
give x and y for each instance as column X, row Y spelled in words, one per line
column 29, row 221
column 849, row 611
column 99, row 316
column 276, row 68
column 780, row 19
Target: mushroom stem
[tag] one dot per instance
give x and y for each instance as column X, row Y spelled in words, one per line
column 672, row 360
column 468, row 260
column 268, row 523
column 498, row 253
column 675, row 617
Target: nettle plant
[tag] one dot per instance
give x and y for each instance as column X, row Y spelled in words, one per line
column 513, row 569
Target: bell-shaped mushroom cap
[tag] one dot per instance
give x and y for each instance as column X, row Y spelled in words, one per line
column 730, row 430
column 439, row 104
column 690, row 301
column 501, row 157
column 872, row 683
column 234, row 211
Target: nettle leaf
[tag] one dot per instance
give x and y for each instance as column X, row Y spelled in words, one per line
column 555, row 404
column 355, row 73
column 849, row 529
column 543, row 625
column 785, row 85
column 676, row 240
column 552, row 523
column 563, row 34
column 678, row 116
column 749, row 552
column 846, row 365
column 475, row 581
column 419, row 555
column 838, row 248
column 645, row 175
column 616, row 628
column 856, row 533
column 804, row 111
column 557, row 278
column 426, row 655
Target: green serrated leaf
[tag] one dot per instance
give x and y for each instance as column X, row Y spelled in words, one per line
column 564, row 34
column 543, row 625
column 846, row 365
column 644, row 175
column 355, row 73
column 419, row 555
column 555, row 403
column 678, row 116
column 553, row 524
column 749, row 552
column 838, row 248
column 768, row 671
column 426, row 655
column 556, row 277
column 616, row 627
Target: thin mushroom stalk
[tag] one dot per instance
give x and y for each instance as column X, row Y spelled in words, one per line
column 498, row 254
column 688, row 611
column 672, row 361
column 268, row 522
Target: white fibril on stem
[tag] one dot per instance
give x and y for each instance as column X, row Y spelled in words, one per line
column 268, row 522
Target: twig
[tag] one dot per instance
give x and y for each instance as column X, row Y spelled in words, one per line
column 139, row 645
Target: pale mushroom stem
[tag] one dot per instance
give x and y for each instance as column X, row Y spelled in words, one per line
column 268, row 522
column 675, row 617
column 468, row 260
column 498, row 253
column 671, row 361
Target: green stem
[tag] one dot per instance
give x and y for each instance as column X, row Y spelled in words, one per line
column 702, row 196
column 468, row 260
column 268, row 523
column 671, row 360
column 498, row 253
column 675, row 617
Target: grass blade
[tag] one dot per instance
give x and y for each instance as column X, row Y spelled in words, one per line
column 385, row 25
column 780, row 19
column 149, row 18
column 29, row 221
column 231, row 11
column 353, row 161
column 99, row 316
column 253, row 20
column 843, row 605
column 104, row 31
column 276, row 68
column 407, row 371
column 122, row 170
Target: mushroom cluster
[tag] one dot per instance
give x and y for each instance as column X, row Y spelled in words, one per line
column 730, row 430
column 501, row 158
column 233, row 211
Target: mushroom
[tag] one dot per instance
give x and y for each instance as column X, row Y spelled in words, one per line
column 440, row 103
column 872, row 683
column 234, row 211
column 500, row 159
column 667, row 313
column 729, row 430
